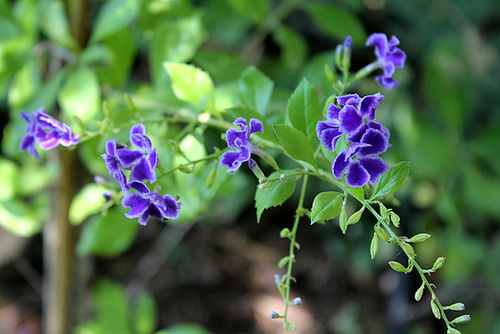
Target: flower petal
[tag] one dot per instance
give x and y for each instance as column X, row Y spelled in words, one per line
column 138, row 205
column 357, row 175
column 142, row 170
column 340, row 164
column 127, row 157
column 375, row 166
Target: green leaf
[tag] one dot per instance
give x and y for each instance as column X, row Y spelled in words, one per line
column 19, row 218
column 55, row 25
column 80, row 96
column 255, row 10
column 326, row 206
column 391, row 180
column 276, row 194
column 175, row 40
column 293, row 47
column 87, row 202
column 111, row 308
column 121, row 49
column 114, row 16
column 255, row 89
column 358, row 193
column 109, row 235
column 336, row 22
column 304, row 110
column 145, row 314
column 191, row 84
column 295, row 143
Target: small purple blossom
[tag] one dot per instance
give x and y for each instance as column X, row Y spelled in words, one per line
column 273, row 315
column 145, row 204
column 361, row 160
column 47, row 132
column 388, row 58
column 297, row 301
column 142, row 161
column 366, row 139
column 113, row 165
column 239, row 139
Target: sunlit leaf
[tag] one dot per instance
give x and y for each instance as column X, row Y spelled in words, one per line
column 276, row 194
column 326, row 206
column 295, row 143
column 114, row 16
column 391, row 180
column 255, row 90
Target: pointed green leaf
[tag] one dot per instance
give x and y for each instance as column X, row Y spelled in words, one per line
column 295, row 143
column 111, row 308
column 145, row 314
column 293, row 46
column 255, row 89
column 391, row 180
column 304, row 110
column 326, row 206
column 255, row 10
column 276, row 194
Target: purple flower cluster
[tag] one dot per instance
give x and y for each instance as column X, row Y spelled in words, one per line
column 366, row 138
column 239, row 139
column 141, row 162
column 47, row 132
column 388, row 58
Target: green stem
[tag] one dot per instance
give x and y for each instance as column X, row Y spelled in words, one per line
column 291, row 252
column 412, row 262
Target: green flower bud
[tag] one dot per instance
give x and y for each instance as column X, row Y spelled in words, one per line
column 355, row 217
column 285, row 233
column 435, row 309
column 453, row 331
column 329, row 74
column 421, row 237
column 461, row 319
column 439, row 263
column 175, row 147
column 185, row 169
column 395, row 219
column 419, row 292
column 374, row 245
column 408, row 249
column 396, row 266
column 381, row 233
column 211, row 178
column 343, row 220
column 455, row 307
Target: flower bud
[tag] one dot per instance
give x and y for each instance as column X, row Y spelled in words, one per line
column 374, row 245
column 355, row 217
column 184, row 169
column 435, row 309
column 175, row 147
column 285, row 233
column 297, row 301
column 421, row 237
column 343, row 220
column 396, row 266
column 277, row 279
column 455, row 307
column 439, row 263
column 461, row 319
column 419, row 292
column 273, row 315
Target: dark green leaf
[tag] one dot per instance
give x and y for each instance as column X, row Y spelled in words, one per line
column 295, row 143
column 111, row 308
column 145, row 314
column 54, row 23
column 391, row 180
column 293, row 47
column 276, row 194
column 336, row 22
column 304, row 110
column 326, row 206
column 255, row 90
column 255, row 10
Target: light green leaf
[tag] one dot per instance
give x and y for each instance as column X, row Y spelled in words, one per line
column 304, row 110
column 175, row 40
column 391, row 180
column 295, row 143
column 358, row 193
column 276, row 194
column 145, row 314
column 191, row 84
column 114, row 16
column 336, row 22
column 111, row 308
column 326, row 206
column 255, row 89
column 255, row 10
column 109, row 235
column 80, row 96
column 20, row 219
column 87, row 202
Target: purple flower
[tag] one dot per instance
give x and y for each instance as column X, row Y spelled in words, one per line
column 142, row 161
column 239, row 139
column 113, row 165
column 388, row 58
column 144, row 204
column 361, row 159
column 47, row 132
column 328, row 131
